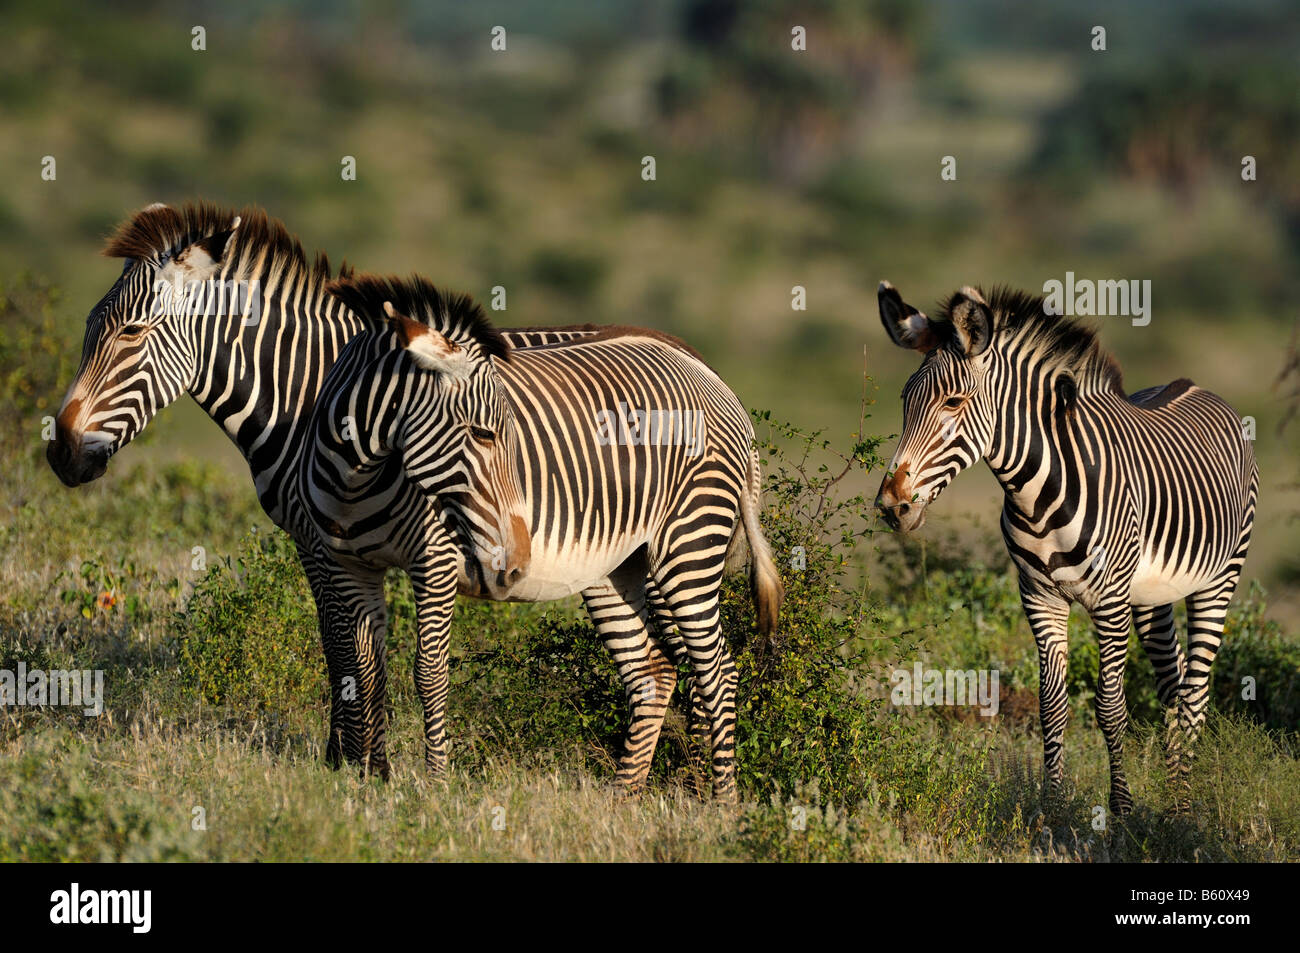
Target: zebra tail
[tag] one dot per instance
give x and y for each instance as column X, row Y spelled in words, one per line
column 764, row 580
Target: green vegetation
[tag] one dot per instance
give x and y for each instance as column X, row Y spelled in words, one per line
column 215, row 709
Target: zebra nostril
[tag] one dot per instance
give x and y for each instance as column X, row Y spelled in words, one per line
column 514, row 575
column 902, row 508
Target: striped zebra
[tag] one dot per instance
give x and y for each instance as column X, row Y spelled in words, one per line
column 1123, row 504
column 509, row 474
column 226, row 307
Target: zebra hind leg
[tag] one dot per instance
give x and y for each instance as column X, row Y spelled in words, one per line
column 1207, row 611
column 1112, row 623
column 670, row 638
column 688, row 577
column 618, row 610
column 1155, row 627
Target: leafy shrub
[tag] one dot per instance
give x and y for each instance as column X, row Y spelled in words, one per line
column 568, row 272
column 248, row 637
column 1255, row 647
column 36, row 361
column 56, row 811
column 802, row 714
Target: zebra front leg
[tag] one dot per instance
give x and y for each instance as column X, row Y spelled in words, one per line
column 353, row 628
column 617, row 609
column 1113, row 623
column 1048, row 615
column 434, row 582
column 1155, row 628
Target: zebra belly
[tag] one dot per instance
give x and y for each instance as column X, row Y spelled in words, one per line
column 1156, row 585
column 556, row 574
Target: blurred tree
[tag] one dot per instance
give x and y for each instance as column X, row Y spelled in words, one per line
column 739, row 86
column 1181, row 122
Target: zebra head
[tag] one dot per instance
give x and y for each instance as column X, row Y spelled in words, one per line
column 138, row 353
column 948, row 418
column 451, row 421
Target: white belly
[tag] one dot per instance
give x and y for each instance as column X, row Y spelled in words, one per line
column 1154, row 585
column 554, row 575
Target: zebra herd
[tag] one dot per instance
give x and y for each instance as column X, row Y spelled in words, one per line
column 387, row 423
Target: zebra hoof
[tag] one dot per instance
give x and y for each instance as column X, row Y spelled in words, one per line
column 628, row 790
column 726, row 795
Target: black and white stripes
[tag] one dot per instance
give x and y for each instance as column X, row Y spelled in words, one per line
column 1124, row 504
column 227, row 307
column 522, row 496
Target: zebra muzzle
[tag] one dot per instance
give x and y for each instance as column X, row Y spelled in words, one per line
column 75, row 460
column 904, row 515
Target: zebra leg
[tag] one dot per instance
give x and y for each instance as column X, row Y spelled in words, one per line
column 433, row 579
column 671, row 640
column 1113, row 623
column 1155, row 627
column 354, row 622
column 1048, row 615
column 617, row 609
column 688, row 576
column 1207, row 611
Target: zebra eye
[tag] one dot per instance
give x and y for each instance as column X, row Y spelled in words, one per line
column 483, row 434
column 132, row 330
column 954, row 402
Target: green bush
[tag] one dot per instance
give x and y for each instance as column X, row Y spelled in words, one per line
column 248, row 637
column 1255, row 647
column 55, row 811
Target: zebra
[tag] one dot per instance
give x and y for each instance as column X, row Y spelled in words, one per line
column 250, row 336
column 432, row 424
column 1123, row 504
column 227, row 307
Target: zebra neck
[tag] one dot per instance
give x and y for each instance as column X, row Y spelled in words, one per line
column 1033, row 450
column 258, row 377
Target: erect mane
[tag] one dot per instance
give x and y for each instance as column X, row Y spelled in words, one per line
column 592, row 333
column 1065, row 342
column 161, row 231
column 452, row 314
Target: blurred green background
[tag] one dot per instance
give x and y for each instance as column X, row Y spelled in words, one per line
column 775, row 168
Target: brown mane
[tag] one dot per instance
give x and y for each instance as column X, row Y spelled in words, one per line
column 417, row 298
column 160, row 231
column 1070, row 345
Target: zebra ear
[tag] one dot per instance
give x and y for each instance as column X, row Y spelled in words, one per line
column 200, row 261
column 907, row 326
column 215, row 245
column 972, row 321
column 428, row 348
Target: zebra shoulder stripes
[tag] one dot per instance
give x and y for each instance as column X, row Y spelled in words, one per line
column 1121, row 504
column 529, row 493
